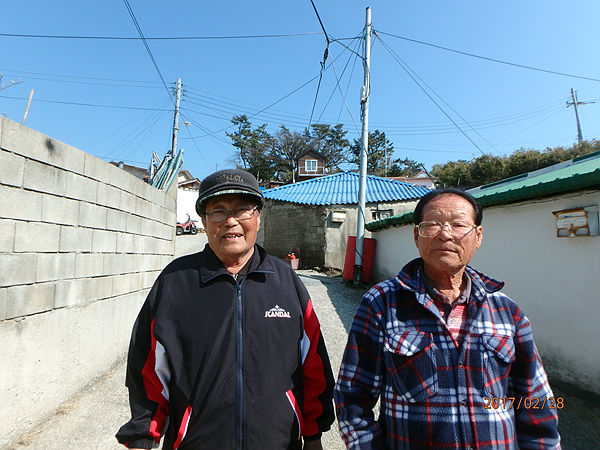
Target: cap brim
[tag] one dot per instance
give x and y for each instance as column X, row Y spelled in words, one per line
column 230, row 191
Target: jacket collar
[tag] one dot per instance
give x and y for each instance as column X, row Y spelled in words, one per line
column 210, row 266
column 410, row 278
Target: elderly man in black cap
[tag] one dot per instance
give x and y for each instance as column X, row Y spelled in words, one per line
column 227, row 351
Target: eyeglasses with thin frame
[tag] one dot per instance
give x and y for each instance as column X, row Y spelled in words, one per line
column 240, row 214
column 457, row 229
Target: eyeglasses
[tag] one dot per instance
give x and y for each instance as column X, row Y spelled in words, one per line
column 239, row 214
column 457, row 229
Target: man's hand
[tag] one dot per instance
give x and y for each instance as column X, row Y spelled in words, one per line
column 313, row 445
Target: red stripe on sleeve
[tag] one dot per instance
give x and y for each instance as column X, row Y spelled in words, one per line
column 154, row 388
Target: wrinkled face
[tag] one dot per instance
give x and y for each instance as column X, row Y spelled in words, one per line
column 445, row 253
column 231, row 240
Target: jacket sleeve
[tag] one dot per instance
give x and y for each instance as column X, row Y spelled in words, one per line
column 359, row 381
column 147, row 379
column 318, row 411
column 536, row 424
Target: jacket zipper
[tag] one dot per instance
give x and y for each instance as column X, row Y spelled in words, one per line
column 240, row 374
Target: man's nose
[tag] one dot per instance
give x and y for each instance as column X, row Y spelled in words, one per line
column 446, row 226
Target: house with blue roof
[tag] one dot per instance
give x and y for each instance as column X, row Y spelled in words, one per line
column 318, row 215
column 540, row 236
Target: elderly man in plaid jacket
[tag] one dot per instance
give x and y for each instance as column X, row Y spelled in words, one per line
column 451, row 358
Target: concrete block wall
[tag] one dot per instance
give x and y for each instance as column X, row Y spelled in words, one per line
column 81, row 242
column 287, row 225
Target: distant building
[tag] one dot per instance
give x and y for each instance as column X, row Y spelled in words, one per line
column 318, row 215
column 311, row 165
column 137, row 172
column 420, row 179
column 187, row 194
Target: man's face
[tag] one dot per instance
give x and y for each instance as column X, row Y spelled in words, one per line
column 231, row 240
column 445, row 253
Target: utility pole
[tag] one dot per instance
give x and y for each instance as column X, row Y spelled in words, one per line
column 362, row 188
column 575, row 103
column 27, row 109
column 176, row 120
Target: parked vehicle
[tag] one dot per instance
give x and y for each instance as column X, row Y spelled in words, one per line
column 188, row 227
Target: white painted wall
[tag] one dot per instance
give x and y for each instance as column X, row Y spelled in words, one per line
column 186, row 204
column 554, row 280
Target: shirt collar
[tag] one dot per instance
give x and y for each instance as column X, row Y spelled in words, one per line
column 435, row 294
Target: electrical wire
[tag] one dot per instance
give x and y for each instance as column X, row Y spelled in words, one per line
column 139, row 29
column 489, row 59
column 160, row 38
column 325, row 54
column 409, row 73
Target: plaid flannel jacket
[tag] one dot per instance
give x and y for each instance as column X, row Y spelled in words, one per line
column 491, row 392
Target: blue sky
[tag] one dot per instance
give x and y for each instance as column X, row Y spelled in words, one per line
column 106, row 97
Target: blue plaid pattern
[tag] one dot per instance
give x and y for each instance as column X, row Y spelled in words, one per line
column 434, row 391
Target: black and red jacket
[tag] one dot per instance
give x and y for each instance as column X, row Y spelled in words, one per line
column 216, row 363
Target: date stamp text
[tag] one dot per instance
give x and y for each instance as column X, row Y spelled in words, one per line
column 523, row 402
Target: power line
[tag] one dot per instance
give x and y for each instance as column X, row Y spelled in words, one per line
column 84, row 104
column 160, row 38
column 408, row 72
column 488, row 59
column 137, row 26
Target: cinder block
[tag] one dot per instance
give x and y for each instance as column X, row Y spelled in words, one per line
column 3, row 303
column 76, row 239
column 89, row 265
column 125, row 243
column 150, row 277
column 59, row 210
column 140, row 244
column 123, row 284
column 7, row 236
column 119, row 178
column 134, row 224
column 116, row 220
column 114, row 263
column 70, row 293
column 37, row 237
column 20, row 204
column 133, row 263
column 108, row 196
column 55, row 266
column 81, row 188
column 104, row 241
column 148, row 226
column 99, row 288
column 97, row 169
column 29, row 299
column 18, row 268
column 12, row 168
column 127, row 203
column 142, row 207
column 167, row 232
column 92, row 215
column 44, row 178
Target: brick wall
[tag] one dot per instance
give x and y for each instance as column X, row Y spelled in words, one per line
column 81, row 242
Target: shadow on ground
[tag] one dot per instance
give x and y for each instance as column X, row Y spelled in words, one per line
column 343, row 295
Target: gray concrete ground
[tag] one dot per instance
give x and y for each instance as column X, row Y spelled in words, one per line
column 90, row 420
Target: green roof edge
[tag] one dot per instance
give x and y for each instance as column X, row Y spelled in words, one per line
column 543, row 189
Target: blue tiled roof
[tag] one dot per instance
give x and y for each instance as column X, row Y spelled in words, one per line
column 342, row 188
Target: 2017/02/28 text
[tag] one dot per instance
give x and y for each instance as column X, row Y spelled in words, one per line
column 523, row 402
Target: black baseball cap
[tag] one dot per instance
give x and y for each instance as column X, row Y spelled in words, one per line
column 228, row 181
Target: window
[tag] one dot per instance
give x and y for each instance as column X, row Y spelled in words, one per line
column 381, row 214
column 310, row 165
